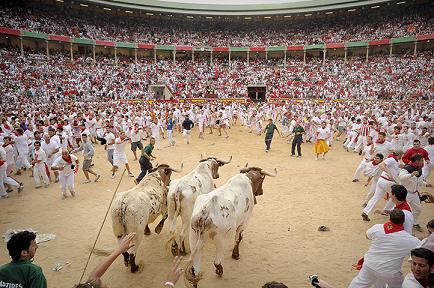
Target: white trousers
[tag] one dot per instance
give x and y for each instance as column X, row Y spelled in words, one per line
column 352, row 141
column 361, row 143
column 370, row 278
column 186, row 134
column 362, row 166
column 371, row 190
column 22, row 160
column 66, row 181
column 427, row 168
column 381, row 188
column 4, row 179
column 170, row 137
column 414, row 202
column 39, row 172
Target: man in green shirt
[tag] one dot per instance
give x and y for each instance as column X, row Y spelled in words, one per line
column 21, row 272
column 269, row 132
column 145, row 159
column 298, row 132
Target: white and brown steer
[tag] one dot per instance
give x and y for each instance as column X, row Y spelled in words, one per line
column 221, row 213
column 182, row 195
column 134, row 209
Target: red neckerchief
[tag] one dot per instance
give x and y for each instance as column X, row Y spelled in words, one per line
column 390, row 227
column 375, row 163
column 68, row 160
column 404, row 206
column 380, row 142
column 393, row 156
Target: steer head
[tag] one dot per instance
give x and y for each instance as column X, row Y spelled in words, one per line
column 165, row 172
column 215, row 165
column 257, row 176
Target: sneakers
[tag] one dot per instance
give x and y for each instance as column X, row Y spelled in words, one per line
column 130, row 175
column 365, row 217
column 355, row 180
column 87, row 181
column 113, row 175
column 20, row 188
column 4, row 196
column 97, row 178
column 37, row 187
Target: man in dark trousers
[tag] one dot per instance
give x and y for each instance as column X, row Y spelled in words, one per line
column 187, row 124
column 145, row 160
column 269, row 132
column 298, row 132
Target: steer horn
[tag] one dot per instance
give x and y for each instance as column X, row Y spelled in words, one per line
column 265, row 172
column 177, row 171
column 225, row 162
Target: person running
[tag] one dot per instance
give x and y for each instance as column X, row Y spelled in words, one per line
column 269, row 132
column 136, row 136
column 298, row 132
column 145, row 160
column 187, row 125
column 64, row 164
column 170, row 130
column 119, row 156
column 40, row 167
column 88, row 153
column 321, row 147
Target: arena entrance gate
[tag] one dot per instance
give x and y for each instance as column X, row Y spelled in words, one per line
column 257, row 92
column 162, row 92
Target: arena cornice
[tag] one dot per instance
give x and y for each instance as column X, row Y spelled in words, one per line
column 148, row 46
column 237, row 10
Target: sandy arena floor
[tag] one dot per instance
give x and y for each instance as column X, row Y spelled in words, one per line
column 281, row 243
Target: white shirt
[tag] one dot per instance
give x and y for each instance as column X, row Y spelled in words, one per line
column 67, row 167
column 411, row 282
column 430, row 150
column 393, row 166
column 323, row 133
column 367, row 152
column 49, row 148
column 120, row 146
column 109, row 137
column 383, row 148
column 136, row 135
column 387, row 251
column 40, row 155
column 21, row 143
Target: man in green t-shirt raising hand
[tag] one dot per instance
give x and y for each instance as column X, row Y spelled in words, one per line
column 21, row 272
column 269, row 132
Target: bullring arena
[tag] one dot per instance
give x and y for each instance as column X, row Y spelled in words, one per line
column 85, row 71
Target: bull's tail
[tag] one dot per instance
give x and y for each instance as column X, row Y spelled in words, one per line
column 174, row 209
column 118, row 220
column 199, row 225
column 191, row 277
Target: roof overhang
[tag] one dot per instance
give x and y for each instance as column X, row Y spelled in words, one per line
column 290, row 7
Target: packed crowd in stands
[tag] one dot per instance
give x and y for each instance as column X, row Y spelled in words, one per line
column 54, row 20
column 400, row 77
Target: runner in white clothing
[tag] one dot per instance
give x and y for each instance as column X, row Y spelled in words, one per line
column 40, row 167
column 368, row 155
column 119, row 156
column 428, row 167
column 389, row 177
column 67, row 165
column 383, row 260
